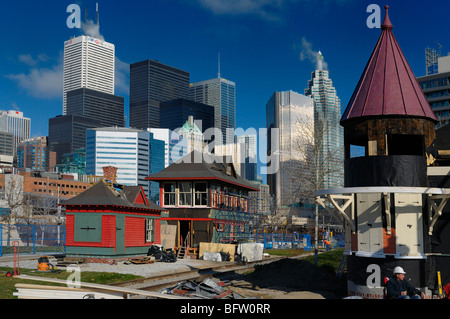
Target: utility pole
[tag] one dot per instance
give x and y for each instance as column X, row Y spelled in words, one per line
column 316, row 236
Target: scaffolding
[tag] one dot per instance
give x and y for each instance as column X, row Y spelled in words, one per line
column 431, row 59
column 233, row 220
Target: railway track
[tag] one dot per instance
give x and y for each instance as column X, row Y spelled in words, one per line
column 157, row 283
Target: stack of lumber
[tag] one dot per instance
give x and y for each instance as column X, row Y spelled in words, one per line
column 29, row 291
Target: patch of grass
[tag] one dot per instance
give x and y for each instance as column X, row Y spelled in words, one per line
column 8, row 284
column 329, row 259
column 286, row 252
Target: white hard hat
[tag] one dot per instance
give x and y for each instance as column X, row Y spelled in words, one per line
column 399, row 270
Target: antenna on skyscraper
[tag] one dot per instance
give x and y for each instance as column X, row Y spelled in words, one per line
column 96, row 17
column 86, row 17
column 218, row 65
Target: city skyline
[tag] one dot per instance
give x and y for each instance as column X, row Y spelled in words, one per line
column 264, row 46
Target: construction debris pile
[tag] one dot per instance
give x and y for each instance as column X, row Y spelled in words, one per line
column 164, row 255
column 203, row 289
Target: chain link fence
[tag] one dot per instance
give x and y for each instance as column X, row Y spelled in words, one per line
column 32, row 239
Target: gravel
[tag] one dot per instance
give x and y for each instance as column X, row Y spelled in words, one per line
column 144, row 270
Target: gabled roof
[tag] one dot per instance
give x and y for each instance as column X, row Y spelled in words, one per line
column 388, row 86
column 102, row 195
column 200, row 166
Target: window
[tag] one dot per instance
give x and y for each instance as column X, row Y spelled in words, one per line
column 169, row 194
column 149, row 230
column 185, row 194
column 201, row 195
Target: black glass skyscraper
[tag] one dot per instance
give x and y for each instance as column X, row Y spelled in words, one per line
column 175, row 113
column 67, row 133
column 151, row 83
column 107, row 108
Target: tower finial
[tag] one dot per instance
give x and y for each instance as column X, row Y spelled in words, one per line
column 387, row 25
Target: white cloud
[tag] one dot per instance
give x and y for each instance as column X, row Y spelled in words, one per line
column 40, row 82
column 30, row 61
column 267, row 9
column 121, row 77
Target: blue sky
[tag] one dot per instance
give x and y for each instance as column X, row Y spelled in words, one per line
column 264, row 45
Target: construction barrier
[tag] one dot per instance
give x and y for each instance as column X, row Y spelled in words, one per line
column 284, row 241
column 32, row 239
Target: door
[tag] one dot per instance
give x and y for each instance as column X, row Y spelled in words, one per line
column 120, row 234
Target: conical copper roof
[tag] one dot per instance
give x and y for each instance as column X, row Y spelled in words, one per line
column 387, row 86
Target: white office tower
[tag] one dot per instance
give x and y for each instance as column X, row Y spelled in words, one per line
column 124, row 148
column 13, row 122
column 88, row 63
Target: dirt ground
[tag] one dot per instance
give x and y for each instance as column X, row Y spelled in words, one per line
column 290, row 279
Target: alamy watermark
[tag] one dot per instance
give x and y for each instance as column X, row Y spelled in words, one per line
column 374, row 19
column 182, row 145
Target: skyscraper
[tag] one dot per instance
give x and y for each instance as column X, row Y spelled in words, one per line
column 105, row 107
column 151, row 83
column 124, row 148
column 14, row 122
column 435, row 87
column 287, row 112
column 221, row 94
column 175, row 113
column 328, row 133
column 67, row 133
column 88, row 63
column 34, row 154
column 249, row 168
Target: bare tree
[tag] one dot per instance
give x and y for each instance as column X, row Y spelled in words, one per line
column 317, row 160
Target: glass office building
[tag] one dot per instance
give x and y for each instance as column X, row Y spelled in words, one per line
column 329, row 134
column 107, row 108
column 151, row 83
column 175, row 113
column 221, row 94
column 124, row 148
column 67, row 133
column 157, row 164
column 287, row 111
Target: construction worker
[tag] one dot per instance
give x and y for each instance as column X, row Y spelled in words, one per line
column 398, row 288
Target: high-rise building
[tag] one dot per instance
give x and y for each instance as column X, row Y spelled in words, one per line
column 107, row 108
column 126, row 149
column 221, row 94
column 175, row 113
column 435, row 86
column 6, row 143
column 164, row 135
column 14, row 122
column 249, row 168
column 157, row 164
column 34, row 154
column 151, row 83
column 328, row 133
column 88, row 63
column 67, row 133
column 287, row 112
column 431, row 60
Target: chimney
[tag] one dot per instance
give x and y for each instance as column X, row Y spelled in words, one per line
column 110, row 173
